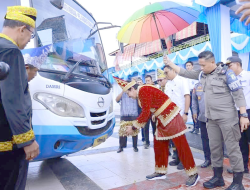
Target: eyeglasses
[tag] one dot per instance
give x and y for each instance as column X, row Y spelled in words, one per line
column 32, row 33
column 160, row 80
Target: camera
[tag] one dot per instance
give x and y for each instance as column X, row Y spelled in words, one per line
column 4, row 70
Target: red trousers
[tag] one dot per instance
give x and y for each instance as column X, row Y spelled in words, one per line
column 162, row 150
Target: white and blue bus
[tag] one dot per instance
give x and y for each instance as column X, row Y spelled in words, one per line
column 71, row 95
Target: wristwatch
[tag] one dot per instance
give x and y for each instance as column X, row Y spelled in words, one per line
column 186, row 113
column 244, row 115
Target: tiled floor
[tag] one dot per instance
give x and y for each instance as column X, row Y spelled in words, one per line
column 108, row 170
column 41, row 177
column 113, row 170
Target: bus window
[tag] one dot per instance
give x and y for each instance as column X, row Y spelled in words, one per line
column 67, row 31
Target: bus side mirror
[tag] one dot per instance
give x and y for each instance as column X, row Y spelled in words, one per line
column 121, row 47
column 57, row 3
column 4, row 70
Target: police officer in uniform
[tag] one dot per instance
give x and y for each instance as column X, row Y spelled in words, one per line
column 222, row 91
column 198, row 107
column 234, row 63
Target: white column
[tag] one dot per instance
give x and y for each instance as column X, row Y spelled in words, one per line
column 245, row 60
column 226, row 48
column 25, row 3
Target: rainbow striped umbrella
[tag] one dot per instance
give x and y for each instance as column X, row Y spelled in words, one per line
column 158, row 20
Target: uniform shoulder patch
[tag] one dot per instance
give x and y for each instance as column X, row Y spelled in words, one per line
column 232, row 81
column 223, row 70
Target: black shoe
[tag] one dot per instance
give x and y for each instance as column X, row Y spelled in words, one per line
column 119, row 150
column 180, row 166
column 246, row 171
column 206, row 164
column 196, row 131
column 156, row 176
column 174, row 163
column 230, row 171
column 146, row 146
column 136, row 149
column 174, row 155
column 217, row 180
column 237, row 182
column 192, row 130
column 192, row 180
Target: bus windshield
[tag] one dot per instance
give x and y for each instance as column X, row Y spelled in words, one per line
column 66, row 32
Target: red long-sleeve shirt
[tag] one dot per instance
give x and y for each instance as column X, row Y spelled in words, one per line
column 152, row 100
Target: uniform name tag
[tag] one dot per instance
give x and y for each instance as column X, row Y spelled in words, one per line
column 234, row 86
column 232, row 81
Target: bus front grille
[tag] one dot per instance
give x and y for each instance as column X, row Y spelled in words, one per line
column 97, row 114
column 93, row 132
column 97, row 122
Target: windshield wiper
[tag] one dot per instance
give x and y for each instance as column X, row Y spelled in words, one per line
column 98, row 75
column 83, row 62
column 66, row 77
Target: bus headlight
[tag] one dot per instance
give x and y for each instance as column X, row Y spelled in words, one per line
column 59, row 105
column 111, row 107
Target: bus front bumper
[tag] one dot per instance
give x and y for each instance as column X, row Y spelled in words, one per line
column 56, row 141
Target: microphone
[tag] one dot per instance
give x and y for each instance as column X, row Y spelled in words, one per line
column 4, row 70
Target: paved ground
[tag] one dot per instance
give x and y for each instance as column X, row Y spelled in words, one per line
column 102, row 168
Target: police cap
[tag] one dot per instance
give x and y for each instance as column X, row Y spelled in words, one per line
column 233, row 59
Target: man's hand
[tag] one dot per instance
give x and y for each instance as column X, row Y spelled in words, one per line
column 129, row 130
column 167, row 61
column 244, row 122
column 185, row 118
column 195, row 117
column 153, row 118
column 31, row 151
column 245, row 7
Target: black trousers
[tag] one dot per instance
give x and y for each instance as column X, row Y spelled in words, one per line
column 244, row 146
column 196, row 125
column 146, row 130
column 171, row 145
column 142, row 135
column 123, row 141
column 10, row 164
column 205, row 140
column 23, row 173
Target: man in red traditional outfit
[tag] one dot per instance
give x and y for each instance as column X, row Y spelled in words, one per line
column 170, row 125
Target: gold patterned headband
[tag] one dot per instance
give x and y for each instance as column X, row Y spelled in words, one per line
column 129, row 85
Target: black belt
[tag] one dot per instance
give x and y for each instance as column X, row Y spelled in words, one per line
column 128, row 118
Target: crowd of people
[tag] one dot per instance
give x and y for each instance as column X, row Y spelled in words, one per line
column 220, row 104
column 219, row 97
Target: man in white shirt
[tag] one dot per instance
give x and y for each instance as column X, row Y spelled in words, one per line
column 148, row 81
column 191, row 82
column 177, row 89
column 235, row 64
